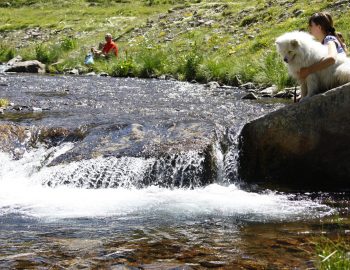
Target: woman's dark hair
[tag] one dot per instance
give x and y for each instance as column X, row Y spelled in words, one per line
column 324, row 19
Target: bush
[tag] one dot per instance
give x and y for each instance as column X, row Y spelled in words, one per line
column 150, row 62
column 68, row 44
column 123, row 68
column 47, row 55
column 6, row 53
column 189, row 65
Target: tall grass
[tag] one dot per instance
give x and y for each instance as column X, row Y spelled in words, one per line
column 150, row 61
column 274, row 71
column 333, row 254
column 6, row 53
column 47, row 54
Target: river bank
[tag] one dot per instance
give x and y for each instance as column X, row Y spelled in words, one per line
column 231, row 43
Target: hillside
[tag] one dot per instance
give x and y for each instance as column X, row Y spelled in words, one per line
column 201, row 40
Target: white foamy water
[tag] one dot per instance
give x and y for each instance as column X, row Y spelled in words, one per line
column 22, row 192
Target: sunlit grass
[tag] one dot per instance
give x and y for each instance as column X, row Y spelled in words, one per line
column 202, row 54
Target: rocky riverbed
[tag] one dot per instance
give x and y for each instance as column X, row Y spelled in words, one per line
column 109, row 117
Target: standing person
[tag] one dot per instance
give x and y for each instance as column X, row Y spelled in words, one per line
column 322, row 28
column 109, row 48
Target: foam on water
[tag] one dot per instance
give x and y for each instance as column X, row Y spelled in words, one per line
column 22, row 192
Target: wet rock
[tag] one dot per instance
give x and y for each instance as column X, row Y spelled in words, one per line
column 250, row 96
column 301, row 145
column 91, row 74
column 33, row 66
column 36, row 109
column 165, row 266
column 103, row 74
column 248, row 85
column 52, row 136
column 73, row 71
column 14, row 60
column 123, row 267
column 283, row 94
column 269, row 90
column 213, row 264
column 12, row 137
column 213, row 85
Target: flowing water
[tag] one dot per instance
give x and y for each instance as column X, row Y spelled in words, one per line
column 142, row 211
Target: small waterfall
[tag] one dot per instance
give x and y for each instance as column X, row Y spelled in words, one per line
column 140, row 186
column 231, row 156
column 173, row 170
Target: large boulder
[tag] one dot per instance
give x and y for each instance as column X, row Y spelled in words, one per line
column 303, row 145
column 33, row 66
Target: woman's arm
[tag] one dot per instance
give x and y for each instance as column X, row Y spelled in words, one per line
column 324, row 63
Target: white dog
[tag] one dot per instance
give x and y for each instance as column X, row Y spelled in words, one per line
column 299, row 49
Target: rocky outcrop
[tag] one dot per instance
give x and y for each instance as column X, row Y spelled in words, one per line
column 301, row 145
column 33, row 66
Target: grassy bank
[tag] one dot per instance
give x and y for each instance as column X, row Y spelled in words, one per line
column 189, row 40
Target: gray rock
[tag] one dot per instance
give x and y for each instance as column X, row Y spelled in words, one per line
column 269, row 90
column 251, row 96
column 14, row 60
column 213, row 85
column 91, row 74
column 283, row 94
column 33, row 66
column 73, row 71
column 301, row 145
column 103, row 74
column 248, row 85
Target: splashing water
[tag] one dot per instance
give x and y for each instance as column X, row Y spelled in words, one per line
column 24, row 190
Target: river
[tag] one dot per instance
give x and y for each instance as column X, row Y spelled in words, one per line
column 139, row 196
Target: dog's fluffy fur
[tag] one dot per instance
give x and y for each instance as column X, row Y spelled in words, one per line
column 299, row 49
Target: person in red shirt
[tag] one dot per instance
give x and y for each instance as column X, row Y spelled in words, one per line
column 109, row 48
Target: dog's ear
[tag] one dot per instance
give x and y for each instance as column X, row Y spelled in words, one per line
column 294, row 43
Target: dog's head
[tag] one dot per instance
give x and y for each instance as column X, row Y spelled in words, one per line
column 289, row 46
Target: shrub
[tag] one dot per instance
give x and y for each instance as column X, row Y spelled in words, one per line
column 6, row 53
column 123, row 68
column 47, row 54
column 189, row 65
column 150, row 62
column 68, row 44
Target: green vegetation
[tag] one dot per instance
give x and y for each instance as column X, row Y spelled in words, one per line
column 190, row 40
column 4, row 102
column 333, row 254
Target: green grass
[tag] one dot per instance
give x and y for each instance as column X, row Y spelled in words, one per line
column 239, row 44
column 332, row 254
